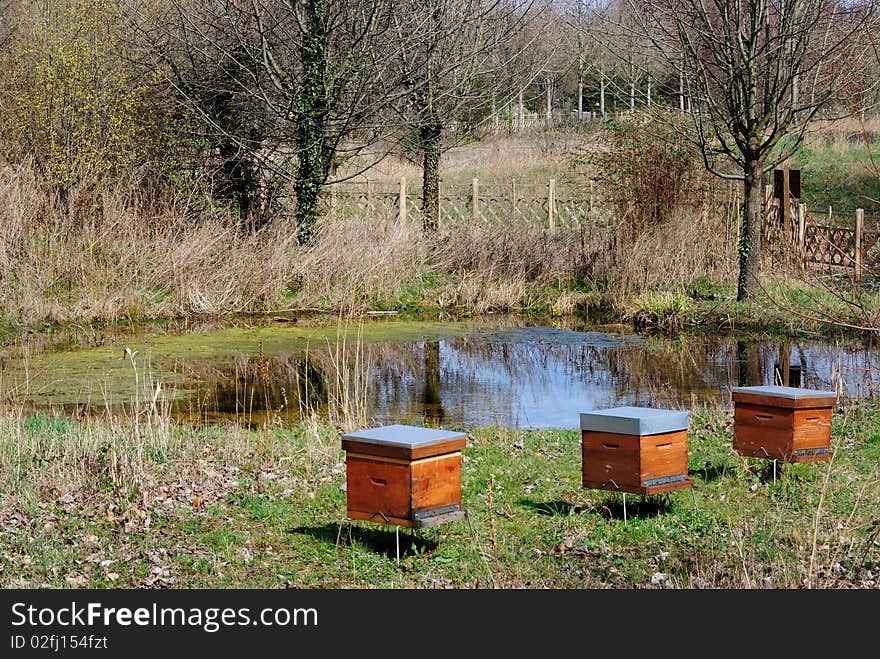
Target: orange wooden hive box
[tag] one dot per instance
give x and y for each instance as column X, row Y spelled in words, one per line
column 635, row 449
column 783, row 423
column 404, row 475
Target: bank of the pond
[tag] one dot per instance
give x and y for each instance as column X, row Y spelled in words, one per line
column 111, row 503
column 791, row 313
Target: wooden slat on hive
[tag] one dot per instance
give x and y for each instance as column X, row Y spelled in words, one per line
column 777, row 402
column 641, row 489
column 663, row 455
column 373, row 487
column 610, row 456
column 404, row 452
column 436, row 482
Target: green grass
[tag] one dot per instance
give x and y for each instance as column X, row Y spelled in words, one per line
column 840, row 177
column 263, row 509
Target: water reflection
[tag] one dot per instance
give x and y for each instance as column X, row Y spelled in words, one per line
column 519, row 376
column 432, row 401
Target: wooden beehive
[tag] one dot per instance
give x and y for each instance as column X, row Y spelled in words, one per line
column 783, row 423
column 404, row 475
column 635, row 449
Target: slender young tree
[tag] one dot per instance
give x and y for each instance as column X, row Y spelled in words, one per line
column 759, row 71
column 455, row 57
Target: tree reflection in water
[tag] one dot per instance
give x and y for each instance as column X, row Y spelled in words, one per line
column 526, row 376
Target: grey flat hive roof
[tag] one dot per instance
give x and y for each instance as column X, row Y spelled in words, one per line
column 634, row 421
column 405, row 436
column 791, row 393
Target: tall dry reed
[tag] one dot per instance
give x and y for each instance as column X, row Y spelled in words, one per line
column 124, row 254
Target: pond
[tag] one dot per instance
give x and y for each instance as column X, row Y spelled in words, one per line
column 514, row 371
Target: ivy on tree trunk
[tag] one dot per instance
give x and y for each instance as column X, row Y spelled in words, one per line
column 313, row 152
column 750, row 233
column 429, row 138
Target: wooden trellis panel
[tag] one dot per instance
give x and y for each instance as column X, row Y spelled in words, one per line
column 871, row 249
column 496, row 204
column 573, row 211
column 829, row 245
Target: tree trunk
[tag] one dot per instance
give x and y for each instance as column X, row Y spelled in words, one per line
column 239, row 183
column 750, row 232
column 430, row 131
column 580, row 96
column 312, row 105
column 429, row 138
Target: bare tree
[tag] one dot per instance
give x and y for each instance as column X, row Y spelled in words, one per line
column 758, row 71
column 455, row 57
column 294, row 86
column 584, row 44
column 844, row 301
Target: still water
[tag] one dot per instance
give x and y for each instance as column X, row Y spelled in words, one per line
column 507, row 370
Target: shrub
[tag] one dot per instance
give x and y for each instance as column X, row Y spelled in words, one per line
column 645, row 168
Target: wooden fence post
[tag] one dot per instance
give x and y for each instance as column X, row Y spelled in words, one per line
column 802, row 230
column 401, row 200
column 551, row 204
column 475, row 200
column 785, row 203
column 860, row 220
column 771, row 210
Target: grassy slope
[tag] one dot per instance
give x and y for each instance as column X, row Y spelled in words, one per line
column 222, row 507
column 837, row 169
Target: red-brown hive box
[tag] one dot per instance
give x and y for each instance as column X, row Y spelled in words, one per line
column 783, row 423
column 404, row 475
column 635, row 449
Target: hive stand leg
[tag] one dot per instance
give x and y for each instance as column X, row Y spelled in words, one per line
column 774, row 472
column 624, row 508
column 397, row 541
column 344, row 522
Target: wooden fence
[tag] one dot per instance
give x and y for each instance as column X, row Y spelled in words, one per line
column 505, row 203
column 817, row 239
column 832, row 246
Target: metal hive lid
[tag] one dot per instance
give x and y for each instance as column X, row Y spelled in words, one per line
column 634, row 421
column 403, row 436
column 790, row 393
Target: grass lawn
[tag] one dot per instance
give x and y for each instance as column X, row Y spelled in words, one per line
column 96, row 504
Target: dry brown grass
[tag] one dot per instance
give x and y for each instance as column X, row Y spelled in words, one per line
column 354, row 262
column 129, row 257
column 496, row 160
